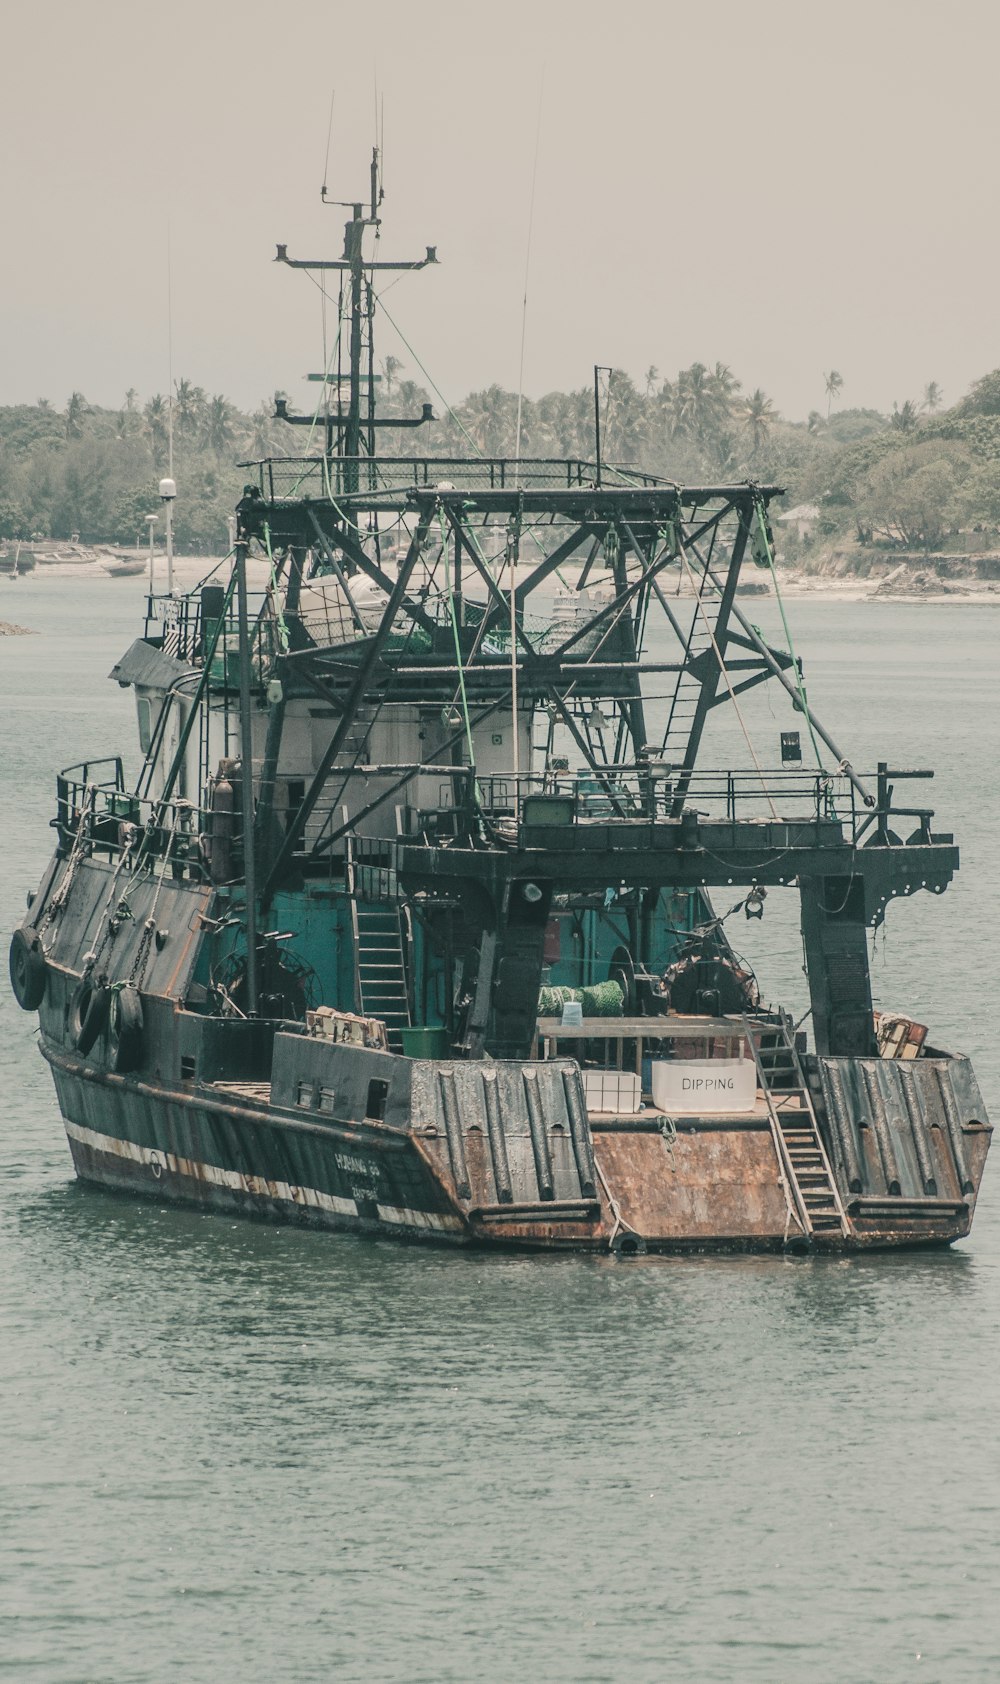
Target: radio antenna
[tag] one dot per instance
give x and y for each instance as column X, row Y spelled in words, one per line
column 527, row 266
column 329, row 133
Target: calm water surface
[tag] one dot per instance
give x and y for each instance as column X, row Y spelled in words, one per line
column 234, row 1453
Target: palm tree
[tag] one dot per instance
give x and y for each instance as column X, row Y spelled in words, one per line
column 156, row 421
column 190, row 406
column 904, row 418
column 557, row 423
column 932, row 396
column 834, row 387
column 623, row 418
column 725, row 387
column 77, row 409
column 487, row 415
column 700, row 407
column 218, row 420
column 130, row 397
column 390, row 368
column 652, row 377
column 260, row 435
column 693, row 406
column 759, row 416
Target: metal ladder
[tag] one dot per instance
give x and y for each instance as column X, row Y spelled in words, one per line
column 809, row 1180
column 687, row 689
column 378, row 962
column 699, row 654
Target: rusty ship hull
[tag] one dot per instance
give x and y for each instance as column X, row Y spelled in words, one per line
column 709, row 1185
column 278, row 1125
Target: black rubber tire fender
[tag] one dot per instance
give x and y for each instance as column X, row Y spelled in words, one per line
column 125, row 1024
column 88, row 1013
column 28, row 974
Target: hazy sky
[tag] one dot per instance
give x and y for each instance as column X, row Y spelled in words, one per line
column 786, row 187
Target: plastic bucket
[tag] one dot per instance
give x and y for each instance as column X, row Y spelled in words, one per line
column 425, row 1043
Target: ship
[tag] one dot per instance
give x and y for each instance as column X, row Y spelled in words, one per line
column 407, row 925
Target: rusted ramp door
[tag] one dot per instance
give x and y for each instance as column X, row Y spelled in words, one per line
column 513, row 1138
column 909, row 1138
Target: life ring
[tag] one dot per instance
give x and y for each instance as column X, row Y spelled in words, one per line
column 125, row 1029
column 88, row 1011
column 28, row 974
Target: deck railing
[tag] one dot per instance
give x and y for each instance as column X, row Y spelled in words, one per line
column 97, row 814
column 184, row 627
column 322, row 477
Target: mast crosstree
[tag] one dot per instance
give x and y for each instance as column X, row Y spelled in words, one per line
column 345, row 433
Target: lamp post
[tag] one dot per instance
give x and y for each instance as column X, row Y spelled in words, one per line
column 151, row 523
column 168, row 491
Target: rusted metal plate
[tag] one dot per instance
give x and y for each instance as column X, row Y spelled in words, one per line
column 913, row 1129
column 701, row 1186
column 505, row 1132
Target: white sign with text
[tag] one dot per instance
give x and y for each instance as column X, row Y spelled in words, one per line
column 697, row 1087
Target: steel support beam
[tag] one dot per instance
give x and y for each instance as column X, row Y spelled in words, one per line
column 351, row 705
column 713, row 673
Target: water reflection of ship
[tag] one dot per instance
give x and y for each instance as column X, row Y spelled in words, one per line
column 405, row 927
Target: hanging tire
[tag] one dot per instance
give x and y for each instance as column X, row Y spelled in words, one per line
column 28, row 974
column 125, row 1030
column 88, row 1013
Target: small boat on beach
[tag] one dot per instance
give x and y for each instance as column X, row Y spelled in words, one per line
column 124, row 566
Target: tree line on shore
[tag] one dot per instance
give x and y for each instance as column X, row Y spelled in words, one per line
column 909, row 479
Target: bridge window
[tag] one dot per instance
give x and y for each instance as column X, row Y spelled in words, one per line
column 145, row 729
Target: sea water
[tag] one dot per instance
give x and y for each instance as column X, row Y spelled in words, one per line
column 240, row 1453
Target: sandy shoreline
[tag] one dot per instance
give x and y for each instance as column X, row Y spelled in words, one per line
column 975, row 591
column 189, row 570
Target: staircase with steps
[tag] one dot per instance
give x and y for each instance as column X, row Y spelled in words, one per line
column 699, row 655
column 378, row 959
column 378, row 947
column 809, row 1180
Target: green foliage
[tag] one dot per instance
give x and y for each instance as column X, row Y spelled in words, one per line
column 849, row 425
column 908, row 478
column 983, row 397
column 13, row 520
column 912, row 494
column 904, row 417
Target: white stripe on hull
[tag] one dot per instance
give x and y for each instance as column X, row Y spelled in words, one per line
column 305, row 1197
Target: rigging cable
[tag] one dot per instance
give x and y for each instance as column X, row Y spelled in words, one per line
column 458, row 642
column 681, row 551
column 434, row 387
column 524, row 305
column 329, row 135
column 514, row 537
column 799, row 681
